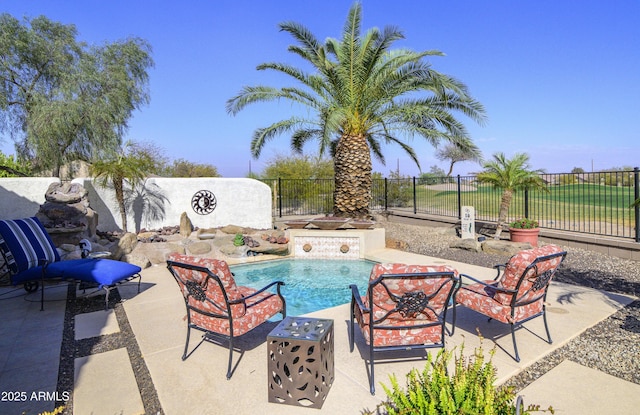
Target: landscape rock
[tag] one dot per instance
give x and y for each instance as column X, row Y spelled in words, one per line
column 125, row 245
column 199, row 248
column 186, row 227
column 234, row 251
column 65, row 193
column 507, row 248
column 271, row 249
column 206, row 234
column 393, row 243
column 468, row 244
column 137, row 259
column 232, row 229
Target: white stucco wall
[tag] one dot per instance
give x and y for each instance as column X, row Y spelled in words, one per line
column 161, row 202
column 21, row 197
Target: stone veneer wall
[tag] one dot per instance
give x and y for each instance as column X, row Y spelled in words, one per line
column 159, row 202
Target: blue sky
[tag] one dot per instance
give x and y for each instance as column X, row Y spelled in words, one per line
column 560, row 79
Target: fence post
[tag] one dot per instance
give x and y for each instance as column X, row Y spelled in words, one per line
column 415, row 209
column 636, row 195
column 459, row 199
column 386, row 206
column 526, row 203
column 279, row 196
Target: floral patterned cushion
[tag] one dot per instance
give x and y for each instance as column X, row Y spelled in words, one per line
column 496, row 304
column 247, row 315
column 406, row 306
column 517, row 265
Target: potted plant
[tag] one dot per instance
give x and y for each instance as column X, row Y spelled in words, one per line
column 524, row 230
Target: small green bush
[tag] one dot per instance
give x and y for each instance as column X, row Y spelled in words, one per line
column 238, row 240
column 469, row 390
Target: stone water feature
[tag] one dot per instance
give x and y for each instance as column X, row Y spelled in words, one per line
column 66, row 214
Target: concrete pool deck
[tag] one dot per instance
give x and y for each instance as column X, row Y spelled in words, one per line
column 105, row 383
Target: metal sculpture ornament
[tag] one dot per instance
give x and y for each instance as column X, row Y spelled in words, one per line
column 203, row 202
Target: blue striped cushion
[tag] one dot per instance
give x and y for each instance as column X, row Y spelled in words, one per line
column 28, row 243
column 9, row 262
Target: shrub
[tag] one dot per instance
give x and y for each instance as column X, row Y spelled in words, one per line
column 238, row 240
column 469, row 390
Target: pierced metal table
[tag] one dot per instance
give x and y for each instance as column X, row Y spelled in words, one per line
column 301, row 361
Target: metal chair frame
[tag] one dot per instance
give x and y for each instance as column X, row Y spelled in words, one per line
column 197, row 292
column 356, row 300
column 541, row 283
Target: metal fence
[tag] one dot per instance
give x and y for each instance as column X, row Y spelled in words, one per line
column 593, row 203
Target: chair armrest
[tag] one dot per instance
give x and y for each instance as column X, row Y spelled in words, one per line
column 240, row 300
column 499, row 267
column 355, row 294
column 493, row 287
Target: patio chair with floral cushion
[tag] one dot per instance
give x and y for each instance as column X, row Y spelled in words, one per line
column 517, row 294
column 219, row 307
column 404, row 308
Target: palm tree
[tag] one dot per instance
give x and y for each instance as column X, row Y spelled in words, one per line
column 510, row 175
column 453, row 154
column 131, row 163
column 361, row 94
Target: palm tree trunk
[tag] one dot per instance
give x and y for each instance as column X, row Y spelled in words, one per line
column 505, row 202
column 118, row 186
column 352, row 164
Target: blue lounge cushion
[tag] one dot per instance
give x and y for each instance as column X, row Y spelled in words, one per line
column 53, row 270
column 27, row 248
column 105, row 272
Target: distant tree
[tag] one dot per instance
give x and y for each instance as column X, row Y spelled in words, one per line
column 185, row 168
column 567, row 179
column 577, row 170
column 435, row 176
column 399, row 189
column 130, row 165
column 454, row 154
column 510, row 175
column 298, row 167
column 61, row 100
column 10, row 167
column 361, row 94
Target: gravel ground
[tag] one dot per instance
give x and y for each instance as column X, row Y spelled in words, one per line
column 611, row 346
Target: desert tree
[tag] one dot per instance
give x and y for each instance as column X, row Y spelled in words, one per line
column 61, row 99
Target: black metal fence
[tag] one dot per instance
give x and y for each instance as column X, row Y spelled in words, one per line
column 593, row 203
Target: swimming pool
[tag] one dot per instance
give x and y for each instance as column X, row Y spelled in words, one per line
column 310, row 284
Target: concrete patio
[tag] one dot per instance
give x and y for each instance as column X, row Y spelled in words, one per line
column 105, row 382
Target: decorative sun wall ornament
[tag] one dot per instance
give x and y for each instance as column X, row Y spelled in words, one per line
column 203, row 202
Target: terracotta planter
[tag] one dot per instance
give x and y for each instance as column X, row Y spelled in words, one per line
column 525, row 235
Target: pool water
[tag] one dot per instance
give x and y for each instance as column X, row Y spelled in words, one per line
column 310, row 284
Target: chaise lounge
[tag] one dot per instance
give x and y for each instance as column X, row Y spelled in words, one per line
column 31, row 259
